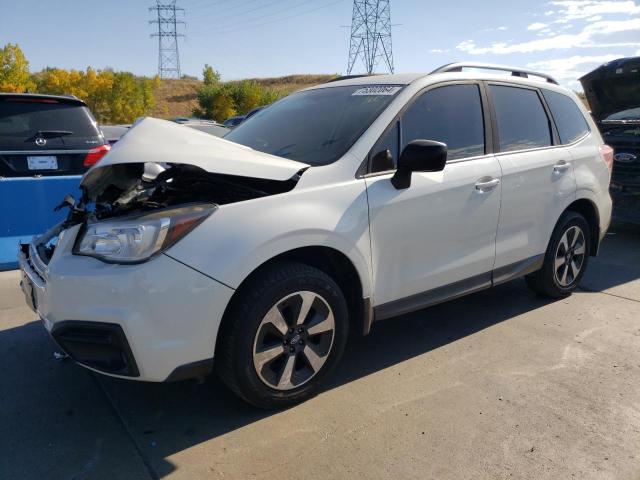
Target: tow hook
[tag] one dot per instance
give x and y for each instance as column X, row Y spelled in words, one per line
column 60, row 356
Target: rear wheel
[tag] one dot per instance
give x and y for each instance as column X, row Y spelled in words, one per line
column 566, row 258
column 285, row 332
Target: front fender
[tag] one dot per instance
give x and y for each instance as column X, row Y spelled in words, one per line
column 240, row 237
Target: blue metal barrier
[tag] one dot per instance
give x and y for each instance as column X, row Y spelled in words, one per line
column 26, row 209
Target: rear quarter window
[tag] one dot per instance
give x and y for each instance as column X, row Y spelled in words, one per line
column 570, row 122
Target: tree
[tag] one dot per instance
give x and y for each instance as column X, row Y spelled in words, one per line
column 131, row 97
column 113, row 97
column 14, row 70
column 210, row 76
column 215, row 102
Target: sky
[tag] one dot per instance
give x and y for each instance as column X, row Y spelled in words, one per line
column 264, row 38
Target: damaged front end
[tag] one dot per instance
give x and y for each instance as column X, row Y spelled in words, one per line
column 130, row 212
column 158, row 183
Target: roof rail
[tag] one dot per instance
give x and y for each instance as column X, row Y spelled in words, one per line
column 515, row 71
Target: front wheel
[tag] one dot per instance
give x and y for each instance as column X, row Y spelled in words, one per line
column 285, row 332
column 566, row 258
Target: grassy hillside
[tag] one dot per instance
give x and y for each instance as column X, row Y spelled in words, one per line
column 177, row 98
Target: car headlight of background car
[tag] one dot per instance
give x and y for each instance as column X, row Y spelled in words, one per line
column 137, row 239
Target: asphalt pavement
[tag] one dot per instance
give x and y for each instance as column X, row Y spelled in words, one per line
column 499, row 384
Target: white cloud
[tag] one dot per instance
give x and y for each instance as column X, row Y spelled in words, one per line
column 595, row 18
column 637, row 53
column 580, row 9
column 592, row 36
column 537, row 26
column 438, row 50
column 570, row 63
column 568, row 70
column 495, row 29
column 549, row 12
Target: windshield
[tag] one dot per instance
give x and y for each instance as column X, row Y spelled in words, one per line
column 315, row 126
column 630, row 114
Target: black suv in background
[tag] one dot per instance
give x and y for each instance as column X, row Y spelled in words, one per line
column 47, row 135
column 613, row 92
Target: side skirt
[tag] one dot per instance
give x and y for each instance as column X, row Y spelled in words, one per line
column 518, row 269
column 457, row 289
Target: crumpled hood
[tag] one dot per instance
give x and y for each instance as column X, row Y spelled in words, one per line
column 162, row 141
column 613, row 87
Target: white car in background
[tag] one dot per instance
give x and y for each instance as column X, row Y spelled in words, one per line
column 340, row 205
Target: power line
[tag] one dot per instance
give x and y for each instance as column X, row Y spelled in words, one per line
column 244, row 21
column 370, row 35
column 168, row 54
column 259, row 25
column 221, row 15
column 206, row 3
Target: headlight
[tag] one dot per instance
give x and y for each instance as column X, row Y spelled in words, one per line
column 136, row 239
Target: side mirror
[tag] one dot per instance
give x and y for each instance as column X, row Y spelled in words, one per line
column 419, row 156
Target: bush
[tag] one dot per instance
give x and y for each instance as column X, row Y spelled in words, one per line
column 215, row 102
column 219, row 101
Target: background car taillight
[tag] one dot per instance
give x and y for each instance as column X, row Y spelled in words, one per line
column 95, row 154
column 606, row 152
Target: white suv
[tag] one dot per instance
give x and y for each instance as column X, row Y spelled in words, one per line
column 340, row 205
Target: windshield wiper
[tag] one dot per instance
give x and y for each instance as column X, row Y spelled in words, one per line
column 53, row 133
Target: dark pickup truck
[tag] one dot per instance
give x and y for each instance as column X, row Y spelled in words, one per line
column 613, row 92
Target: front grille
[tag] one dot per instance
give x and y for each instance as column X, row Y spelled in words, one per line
column 626, row 173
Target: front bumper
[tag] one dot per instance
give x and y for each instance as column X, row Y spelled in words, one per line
column 143, row 321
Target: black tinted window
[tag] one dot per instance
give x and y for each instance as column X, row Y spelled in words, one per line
column 568, row 117
column 315, row 126
column 522, row 121
column 25, row 117
column 452, row 115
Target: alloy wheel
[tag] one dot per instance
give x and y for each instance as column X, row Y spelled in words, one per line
column 293, row 341
column 569, row 257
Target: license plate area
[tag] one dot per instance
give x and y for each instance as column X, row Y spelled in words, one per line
column 42, row 162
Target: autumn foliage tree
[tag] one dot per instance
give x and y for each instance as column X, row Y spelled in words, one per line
column 113, row 97
column 14, row 70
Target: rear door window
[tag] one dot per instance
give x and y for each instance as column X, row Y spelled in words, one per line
column 451, row 114
column 522, row 121
column 568, row 117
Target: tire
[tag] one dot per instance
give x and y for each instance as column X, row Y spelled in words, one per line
column 558, row 277
column 271, row 364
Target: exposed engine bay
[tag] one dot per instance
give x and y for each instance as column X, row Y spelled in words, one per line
column 122, row 189
column 129, row 189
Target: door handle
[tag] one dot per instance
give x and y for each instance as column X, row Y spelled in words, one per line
column 561, row 167
column 485, row 186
